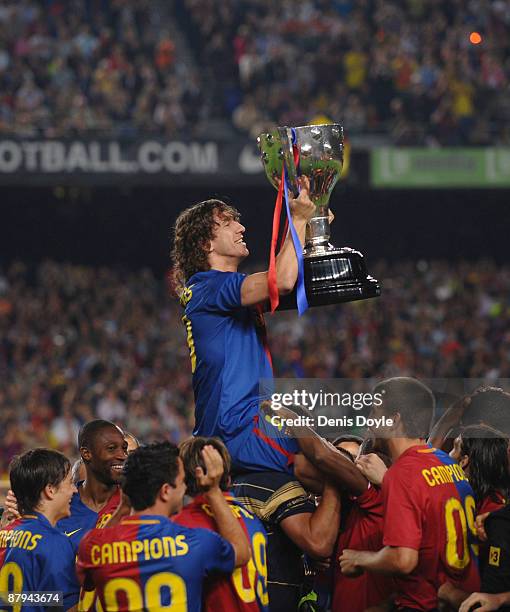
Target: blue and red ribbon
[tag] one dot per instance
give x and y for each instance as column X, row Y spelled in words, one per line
column 283, row 189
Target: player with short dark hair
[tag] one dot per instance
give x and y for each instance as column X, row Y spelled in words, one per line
column 147, row 562
column 428, row 505
column 225, row 328
column 246, row 589
column 34, row 555
column 103, row 450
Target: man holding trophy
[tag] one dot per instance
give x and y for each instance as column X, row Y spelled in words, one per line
column 223, row 308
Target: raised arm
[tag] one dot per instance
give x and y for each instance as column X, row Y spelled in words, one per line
column 228, row 526
column 323, row 455
column 255, row 286
column 315, row 533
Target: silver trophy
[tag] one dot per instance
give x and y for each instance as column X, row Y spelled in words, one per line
column 332, row 274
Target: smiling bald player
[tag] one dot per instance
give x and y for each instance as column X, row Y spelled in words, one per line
column 103, row 449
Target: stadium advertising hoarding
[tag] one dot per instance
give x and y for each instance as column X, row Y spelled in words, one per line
column 151, row 160
column 452, row 167
column 39, row 161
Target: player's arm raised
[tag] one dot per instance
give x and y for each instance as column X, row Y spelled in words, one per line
column 228, row 526
column 255, row 286
column 321, row 454
column 315, row 533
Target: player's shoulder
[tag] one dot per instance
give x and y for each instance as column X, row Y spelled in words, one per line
column 241, row 510
column 195, row 534
column 417, row 456
column 191, row 515
column 100, row 536
column 405, row 469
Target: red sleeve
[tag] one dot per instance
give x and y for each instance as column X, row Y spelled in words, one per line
column 370, row 500
column 489, row 505
column 403, row 510
column 83, row 561
column 183, row 518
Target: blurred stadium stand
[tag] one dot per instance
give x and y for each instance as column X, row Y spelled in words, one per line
column 114, row 115
column 79, row 341
column 400, row 72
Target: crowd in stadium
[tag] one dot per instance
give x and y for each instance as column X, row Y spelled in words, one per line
column 144, row 460
column 404, row 69
column 277, row 517
column 78, row 342
column 89, row 67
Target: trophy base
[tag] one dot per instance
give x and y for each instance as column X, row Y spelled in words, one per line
column 334, row 276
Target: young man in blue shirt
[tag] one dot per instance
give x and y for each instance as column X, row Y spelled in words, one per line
column 34, row 555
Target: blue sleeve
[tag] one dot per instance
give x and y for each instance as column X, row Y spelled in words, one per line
column 59, row 573
column 224, row 291
column 218, row 554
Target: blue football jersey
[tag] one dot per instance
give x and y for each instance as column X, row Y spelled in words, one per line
column 146, row 562
column 84, row 519
column 228, row 356
column 35, row 556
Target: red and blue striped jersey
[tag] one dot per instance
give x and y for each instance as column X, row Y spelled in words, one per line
column 429, row 507
column 83, row 518
column 246, row 589
column 147, row 562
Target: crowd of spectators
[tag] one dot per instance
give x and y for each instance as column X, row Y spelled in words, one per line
column 69, row 67
column 406, row 68
column 78, row 343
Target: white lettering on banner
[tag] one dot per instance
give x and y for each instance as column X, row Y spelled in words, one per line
column 53, row 156
column 151, row 157
column 77, row 157
column 30, row 150
column 204, row 158
column 175, row 157
column 249, row 162
column 11, row 156
column 96, row 163
column 117, row 163
column 178, row 157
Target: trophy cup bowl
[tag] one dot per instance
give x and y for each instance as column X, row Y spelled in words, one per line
column 332, row 275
